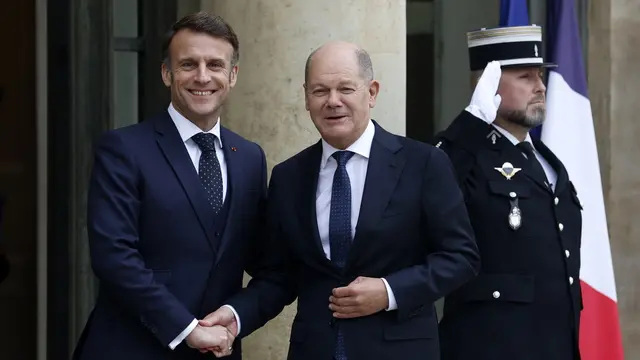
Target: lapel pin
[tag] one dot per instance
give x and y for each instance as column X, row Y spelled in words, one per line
column 233, row 148
column 507, row 170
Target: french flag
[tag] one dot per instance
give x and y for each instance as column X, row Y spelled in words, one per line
column 569, row 132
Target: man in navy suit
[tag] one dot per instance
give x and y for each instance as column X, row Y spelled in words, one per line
column 368, row 229
column 174, row 207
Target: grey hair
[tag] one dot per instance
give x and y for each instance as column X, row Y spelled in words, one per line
column 364, row 63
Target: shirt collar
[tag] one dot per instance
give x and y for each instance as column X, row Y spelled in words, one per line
column 362, row 146
column 512, row 138
column 187, row 129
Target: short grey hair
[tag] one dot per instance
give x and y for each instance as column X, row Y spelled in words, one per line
column 364, row 62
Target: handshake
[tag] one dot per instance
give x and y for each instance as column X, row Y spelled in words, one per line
column 215, row 333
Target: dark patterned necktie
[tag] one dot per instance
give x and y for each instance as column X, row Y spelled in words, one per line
column 532, row 160
column 209, row 169
column 340, row 227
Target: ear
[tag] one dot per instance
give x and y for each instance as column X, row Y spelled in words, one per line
column 233, row 76
column 374, row 89
column 166, row 75
column 306, row 99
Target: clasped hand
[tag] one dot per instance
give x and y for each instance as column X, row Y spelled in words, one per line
column 216, row 339
column 222, row 323
column 362, row 297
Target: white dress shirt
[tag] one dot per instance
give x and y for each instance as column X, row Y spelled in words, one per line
column 357, row 170
column 548, row 169
column 187, row 130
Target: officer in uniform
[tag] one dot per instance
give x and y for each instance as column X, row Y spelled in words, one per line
column 525, row 304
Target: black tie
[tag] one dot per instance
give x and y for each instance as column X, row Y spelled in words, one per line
column 340, row 227
column 209, row 169
column 340, row 212
column 533, row 162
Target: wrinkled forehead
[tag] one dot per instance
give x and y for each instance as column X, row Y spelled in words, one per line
column 334, row 73
column 198, row 46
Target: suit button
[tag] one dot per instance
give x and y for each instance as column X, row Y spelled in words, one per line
column 570, row 280
column 217, row 234
column 332, row 322
column 567, row 253
column 512, row 194
column 556, row 201
column 496, row 294
column 560, row 226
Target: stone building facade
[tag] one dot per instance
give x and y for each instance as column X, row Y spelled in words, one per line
column 89, row 65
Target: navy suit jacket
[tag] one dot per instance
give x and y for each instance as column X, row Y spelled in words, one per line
column 413, row 230
column 155, row 247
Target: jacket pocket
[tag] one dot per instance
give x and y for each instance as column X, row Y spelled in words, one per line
column 510, row 188
column 424, row 326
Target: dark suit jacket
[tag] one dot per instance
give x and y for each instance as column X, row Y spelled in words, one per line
column 412, row 229
column 525, row 303
column 162, row 257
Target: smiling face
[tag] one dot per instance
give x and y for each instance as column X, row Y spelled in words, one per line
column 338, row 96
column 200, row 74
column 523, row 96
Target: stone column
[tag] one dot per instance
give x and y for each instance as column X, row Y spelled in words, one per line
column 614, row 83
column 267, row 105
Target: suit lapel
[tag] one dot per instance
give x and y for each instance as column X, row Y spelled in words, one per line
column 383, row 172
column 233, row 178
column 307, row 202
column 176, row 154
column 556, row 164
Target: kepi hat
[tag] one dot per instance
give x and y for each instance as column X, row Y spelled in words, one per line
column 513, row 46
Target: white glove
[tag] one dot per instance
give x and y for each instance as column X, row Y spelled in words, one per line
column 484, row 101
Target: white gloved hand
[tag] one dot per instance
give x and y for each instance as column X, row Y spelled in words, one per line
column 484, row 101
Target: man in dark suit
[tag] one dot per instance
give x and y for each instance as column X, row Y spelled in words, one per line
column 525, row 303
column 368, row 230
column 174, row 206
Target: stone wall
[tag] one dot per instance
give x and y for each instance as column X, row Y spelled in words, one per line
column 614, row 84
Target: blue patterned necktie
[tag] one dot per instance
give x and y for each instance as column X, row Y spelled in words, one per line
column 209, row 169
column 340, row 227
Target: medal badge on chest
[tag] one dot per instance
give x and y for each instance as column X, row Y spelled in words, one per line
column 515, row 218
column 515, row 214
column 507, row 170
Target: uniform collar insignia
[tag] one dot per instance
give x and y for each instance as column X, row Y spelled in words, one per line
column 494, row 135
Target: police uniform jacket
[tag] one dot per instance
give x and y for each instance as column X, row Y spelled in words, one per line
column 526, row 302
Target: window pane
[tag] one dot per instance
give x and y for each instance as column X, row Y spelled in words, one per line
column 125, row 88
column 125, row 18
column 452, row 20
